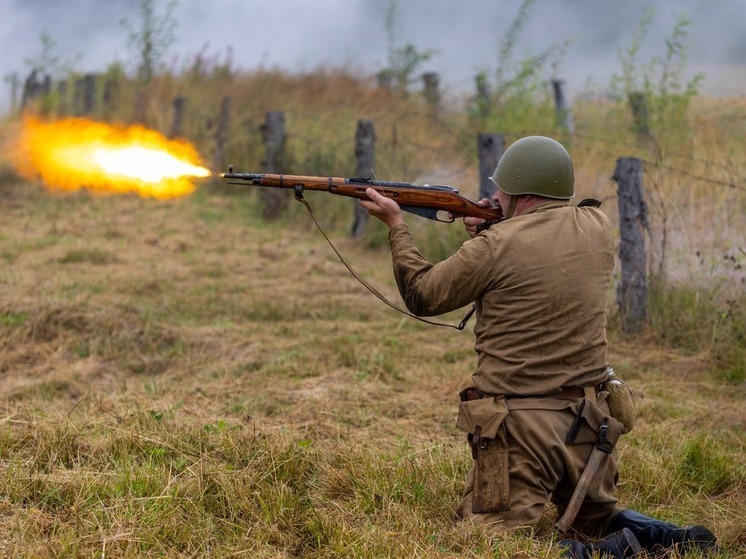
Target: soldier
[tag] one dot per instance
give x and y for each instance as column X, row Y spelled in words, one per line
column 539, row 405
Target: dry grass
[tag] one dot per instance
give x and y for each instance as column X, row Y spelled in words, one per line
column 222, row 387
column 180, row 379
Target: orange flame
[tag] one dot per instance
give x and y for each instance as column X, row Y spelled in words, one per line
column 77, row 153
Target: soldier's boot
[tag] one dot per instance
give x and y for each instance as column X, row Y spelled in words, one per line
column 655, row 535
column 619, row 545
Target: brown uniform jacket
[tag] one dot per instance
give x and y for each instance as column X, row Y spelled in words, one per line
column 540, row 281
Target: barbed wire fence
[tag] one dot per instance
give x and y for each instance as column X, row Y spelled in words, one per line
column 393, row 152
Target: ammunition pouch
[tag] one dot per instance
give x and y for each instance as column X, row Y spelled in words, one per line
column 591, row 421
column 621, row 403
column 482, row 418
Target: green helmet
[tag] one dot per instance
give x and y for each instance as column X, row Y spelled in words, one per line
column 536, row 165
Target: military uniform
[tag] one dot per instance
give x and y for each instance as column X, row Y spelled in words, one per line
column 539, row 413
column 540, row 281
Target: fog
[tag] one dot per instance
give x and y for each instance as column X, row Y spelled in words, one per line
column 301, row 35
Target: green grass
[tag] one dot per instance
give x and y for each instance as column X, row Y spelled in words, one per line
column 702, row 319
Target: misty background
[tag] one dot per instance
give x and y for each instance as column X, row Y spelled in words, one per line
column 300, row 35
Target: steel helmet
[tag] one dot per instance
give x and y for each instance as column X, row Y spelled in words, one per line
column 536, row 165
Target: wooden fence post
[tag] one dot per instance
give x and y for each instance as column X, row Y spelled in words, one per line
column 78, row 96
column 12, row 80
column 431, row 90
column 638, row 104
column 110, row 96
column 490, row 148
column 84, row 95
column 365, row 153
column 46, row 85
column 632, row 292
column 89, row 94
column 273, row 135
column 62, row 101
column 141, row 107
column 179, row 103
column 384, row 79
column 483, row 95
column 221, row 133
column 32, row 88
column 562, row 107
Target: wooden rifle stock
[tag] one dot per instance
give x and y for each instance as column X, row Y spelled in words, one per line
column 425, row 201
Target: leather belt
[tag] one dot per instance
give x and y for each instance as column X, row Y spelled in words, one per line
column 573, row 393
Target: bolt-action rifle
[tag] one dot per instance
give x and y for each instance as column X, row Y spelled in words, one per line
column 430, row 201
column 437, row 202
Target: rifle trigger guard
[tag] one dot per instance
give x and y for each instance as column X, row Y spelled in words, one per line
column 298, row 192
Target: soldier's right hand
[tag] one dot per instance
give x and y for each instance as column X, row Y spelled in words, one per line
column 471, row 223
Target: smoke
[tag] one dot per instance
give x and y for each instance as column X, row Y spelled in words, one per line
column 298, row 35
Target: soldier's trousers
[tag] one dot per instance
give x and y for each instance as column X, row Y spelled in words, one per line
column 542, row 467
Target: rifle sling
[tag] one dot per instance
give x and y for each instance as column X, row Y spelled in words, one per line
column 461, row 325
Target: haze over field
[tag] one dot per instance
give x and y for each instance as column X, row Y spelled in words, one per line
column 297, row 35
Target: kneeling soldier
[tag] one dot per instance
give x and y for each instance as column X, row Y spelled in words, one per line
column 538, row 415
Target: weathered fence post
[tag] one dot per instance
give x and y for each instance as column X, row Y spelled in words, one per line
column 140, row 107
column 365, row 153
column 490, row 148
column 78, row 96
column 562, row 107
column 273, row 135
column 29, row 89
column 483, row 95
column 84, row 95
column 110, row 95
column 638, row 104
column 62, row 101
column 12, row 79
column 431, row 90
column 89, row 94
column 179, row 103
column 632, row 292
column 46, row 85
column 221, row 133
column 32, row 88
column 384, row 79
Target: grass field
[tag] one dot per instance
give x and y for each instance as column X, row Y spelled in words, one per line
column 179, row 379
column 182, row 379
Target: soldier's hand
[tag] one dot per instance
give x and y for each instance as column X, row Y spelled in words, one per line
column 382, row 208
column 471, row 223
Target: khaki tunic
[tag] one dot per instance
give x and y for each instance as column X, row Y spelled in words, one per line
column 540, row 282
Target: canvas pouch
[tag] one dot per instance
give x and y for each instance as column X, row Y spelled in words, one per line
column 483, row 419
column 621, row 403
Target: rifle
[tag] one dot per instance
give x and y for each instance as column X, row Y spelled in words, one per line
column 426, row 201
